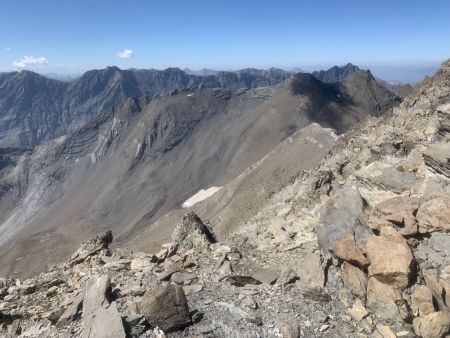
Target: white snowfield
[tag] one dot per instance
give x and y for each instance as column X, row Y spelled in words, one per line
column 200, row 196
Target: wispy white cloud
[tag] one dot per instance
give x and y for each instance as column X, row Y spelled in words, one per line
column 8, row 49
column 31, row 61
column 125, row 54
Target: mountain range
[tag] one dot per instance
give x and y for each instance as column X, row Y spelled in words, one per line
column 141, row 158
column 35, row 109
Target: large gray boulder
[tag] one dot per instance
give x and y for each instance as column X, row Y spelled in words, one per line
column 192, row 233
column 165, row 307
column 340, row 215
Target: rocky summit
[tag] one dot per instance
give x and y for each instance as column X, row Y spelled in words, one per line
column 356, row 246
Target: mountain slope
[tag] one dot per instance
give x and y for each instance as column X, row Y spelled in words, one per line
column 34, row 108
column 144, row 157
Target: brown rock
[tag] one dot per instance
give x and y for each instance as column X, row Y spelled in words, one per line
column 421, row 301
column 391, row 260
column 358, row 311
column 386, row 331
column 290, row 331
column 266, row 276
column 382, row 298
column 435, row 286
column 312, row 277
column 165, row 307
column 346, row 249
column 433, row 325
column 435, row 214
column 395, row 209
column 354, row 279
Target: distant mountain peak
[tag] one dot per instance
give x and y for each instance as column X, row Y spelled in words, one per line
column 336, row 73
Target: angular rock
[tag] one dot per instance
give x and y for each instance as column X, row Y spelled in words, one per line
column 290, row 331
column 382, row 299
column 391, row 260
column 339, row 216
column 358, row 311
column 192, row 233
column 437, row 157
column 144, row 263
column 70, row 313
column 312, row 277
column 346, row 249
column 386, row 331
column 433, row 325
column 287, row 276
column 435, row 214
column 266, row 276
column 91, row 247
column 96, row 294
column 165, row 307
column 355, row 280
column 395, row 209
column 421, row 301
column 106, row 322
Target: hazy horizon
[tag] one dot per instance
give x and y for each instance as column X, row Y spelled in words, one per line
column 66, row 37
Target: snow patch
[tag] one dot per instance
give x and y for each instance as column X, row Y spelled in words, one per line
column 200, row 196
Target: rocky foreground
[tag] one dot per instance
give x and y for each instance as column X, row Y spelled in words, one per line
column 359, row 247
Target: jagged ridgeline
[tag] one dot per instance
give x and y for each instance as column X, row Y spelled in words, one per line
column 35, row 109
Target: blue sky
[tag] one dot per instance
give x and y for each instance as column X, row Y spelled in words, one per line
column 70, row 36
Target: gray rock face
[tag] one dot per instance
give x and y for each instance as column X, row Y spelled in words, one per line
column 91, row 247
column 192, row 233
column 165, row 307
column 340, row 216
column 437, row 157
column 106, row 322
column 336, row 73
column 34, row 108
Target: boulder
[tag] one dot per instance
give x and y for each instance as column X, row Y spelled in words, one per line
column 70, row 313
column 312, row 277
column 339, row 216
column 290, row 331
column 91, row 247
column 435, row 214
column 346, row 249
column 391, row 260
column 106, row 322
column 382, row 299
column 437, row 158
column 192, row 233
column 267, row 276
column 421, row 301
column 354, row 279
column 400, row 210
column 96, row 294
column 395, row 209
column 433, row 325
column 387, row 177
column 386, row 331
column 358, row 312
column 165, row 307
